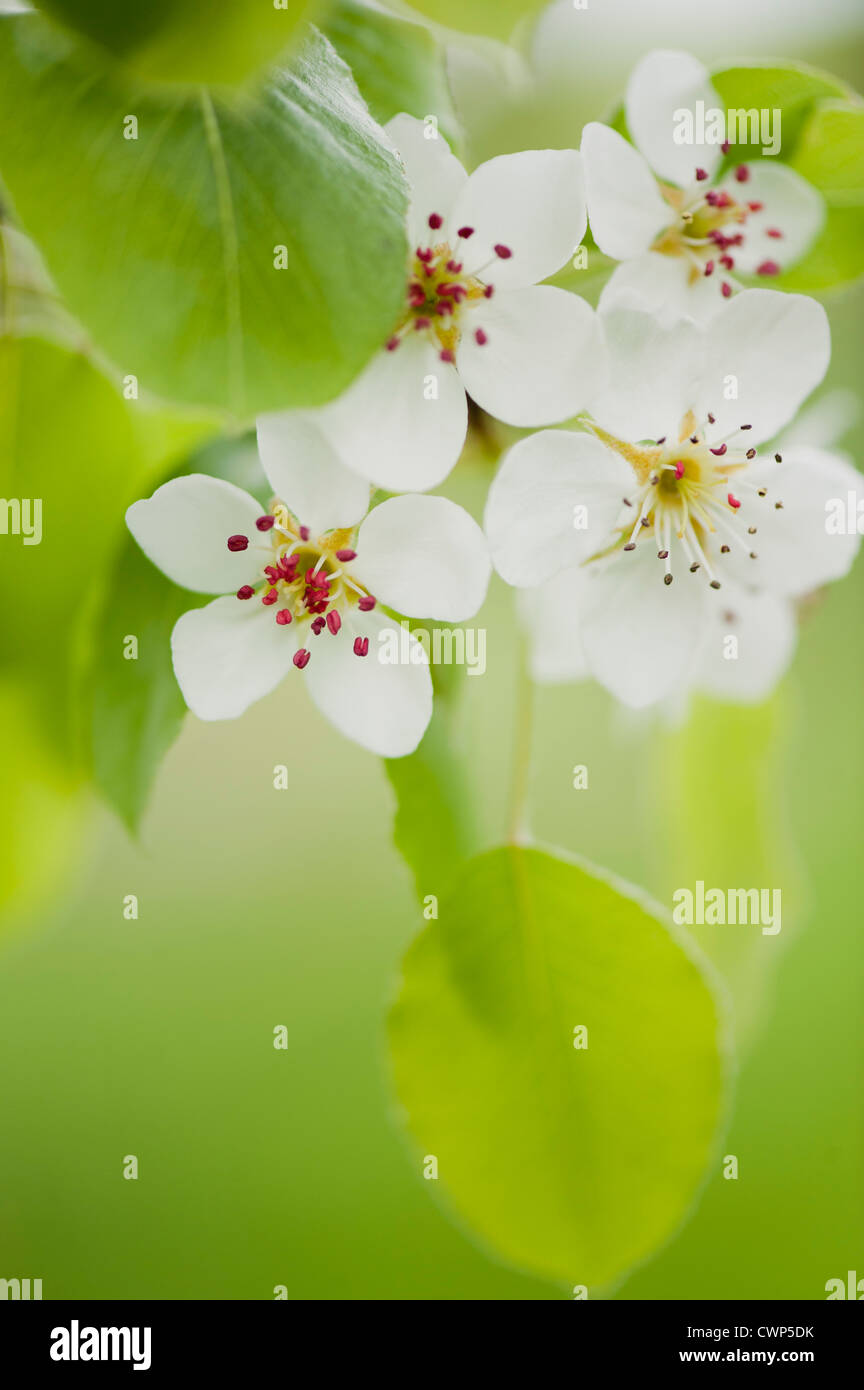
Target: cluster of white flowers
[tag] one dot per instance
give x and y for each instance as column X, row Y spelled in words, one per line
column 652, row 525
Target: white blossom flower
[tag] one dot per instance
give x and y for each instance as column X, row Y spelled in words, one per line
column 474, row 317
column 682, row 226
column 302, row 585
column 668, row 511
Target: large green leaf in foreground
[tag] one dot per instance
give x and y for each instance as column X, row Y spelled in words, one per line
column 166, row 246
column 186, row 40
column 572, row 1163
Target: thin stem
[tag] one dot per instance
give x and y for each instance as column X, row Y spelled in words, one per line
column 517, row 820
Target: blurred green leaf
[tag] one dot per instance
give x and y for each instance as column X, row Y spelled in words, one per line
column 397, row 65
column 495, row 18
column 714, row 833
column 830, row 153
column 165, row 245
column 135, row 709
column 571, row 1163
column 40, row 813
column 72, row 445
column 186, row 40
column 432, row 826
column 792, row 88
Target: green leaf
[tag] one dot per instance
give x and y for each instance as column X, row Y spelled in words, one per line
column 732, row 839
column 40, row 812
column 135, row 706
column 830, row 153
column 495, row 18
column 571, row 1163
column 164, row 246
column 186, row 40
column 397, row 65
column 432, row 827
column 792, row 88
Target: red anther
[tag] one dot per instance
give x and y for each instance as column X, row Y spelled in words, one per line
column 346, row 555
column 283, row 617
column 726, row 289
column 502, row 252
column 435, row 221
column 774, row 232
column 480, row 337
column 489, row 291
column 420, row 324
column 701, row 175
column 755, row 207
column 393, row 343
column 272, row 573
column 270, row 597
column 266, row 523
column 768, row 268
column 465, row 232
column 712, row 198
column 366, row 603
column 334, row 622
column 361, row 646
column 304, row 533
column 724, row 148
column 447, row 356
column 742, row 173
column 425, row 254
column 454, row 267
column 301, row 658
column 679, row 469
column 317, row 625
column 733, row 501
column 444, row 307
column 724, row 199
column 416, row 295
column 709, row 268
column 718, row 453
column 246, row 591
column 727, row 262
column 238, row 542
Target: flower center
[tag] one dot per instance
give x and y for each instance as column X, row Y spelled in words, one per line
column 439, row 292
column 691, row 496
column 710, row 226
column 308, row 581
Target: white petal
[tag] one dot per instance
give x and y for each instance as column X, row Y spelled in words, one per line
column 663, row 83
column 383, row 707
column 653, row 370
column 662, row 286
column 228, row 655
column 305, row 472
column 425, row 557
column 543, row 358
column 533, row 203
column 402, row 423
column 771, row 348
column 796, row 551
column 435, row 175
column 531, row 519
column 550, row 615
column 626, row 210
column 639, row 634
column 184, row 528
column 790, row 205
column 765, row 632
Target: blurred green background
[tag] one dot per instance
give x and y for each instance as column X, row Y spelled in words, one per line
column 259, row 907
